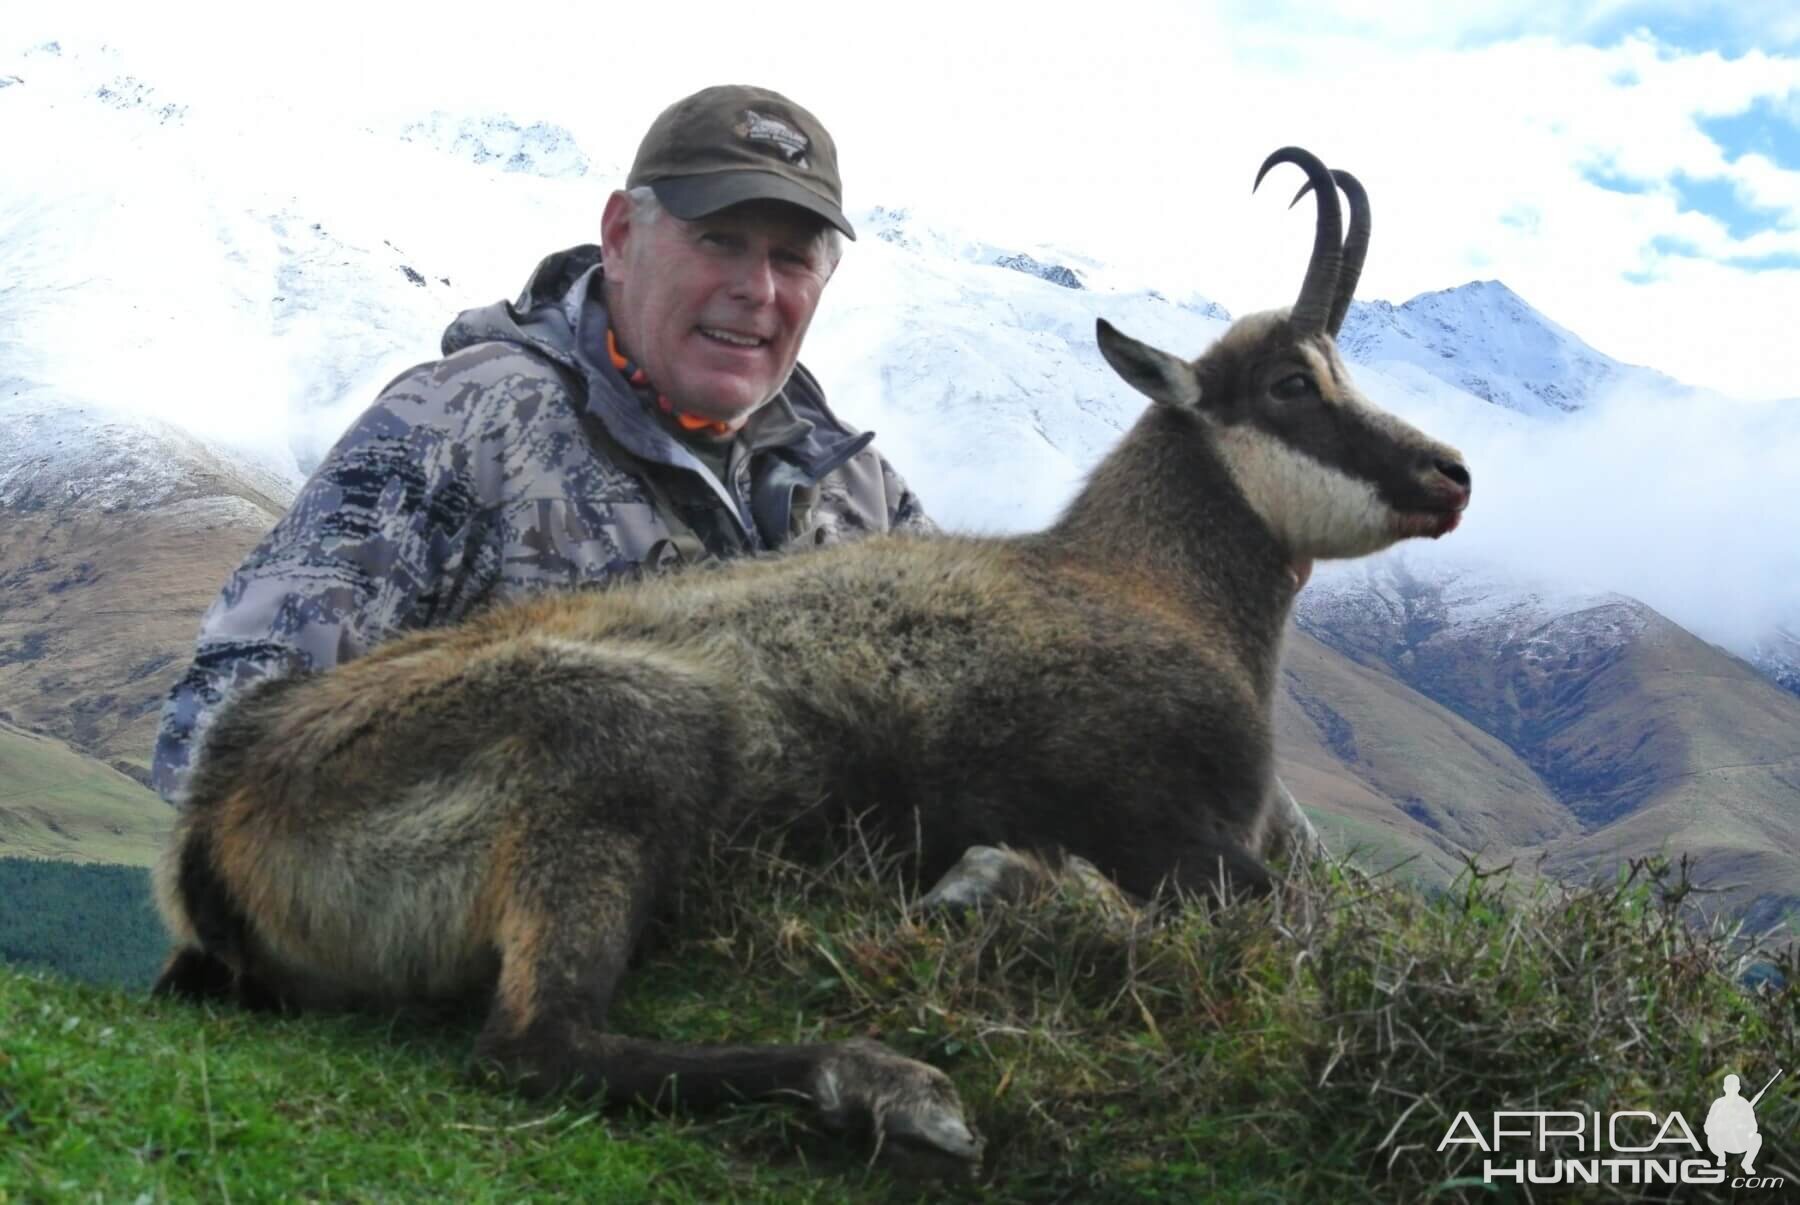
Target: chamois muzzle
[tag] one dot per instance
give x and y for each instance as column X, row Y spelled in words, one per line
column 1445, row 489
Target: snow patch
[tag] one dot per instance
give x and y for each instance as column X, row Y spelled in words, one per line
column 1485, row 340
column 537, row 148
column 253, row 276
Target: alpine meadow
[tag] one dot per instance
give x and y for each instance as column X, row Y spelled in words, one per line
column 1334, row 746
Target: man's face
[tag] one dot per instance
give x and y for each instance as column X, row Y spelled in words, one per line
column 714, row 310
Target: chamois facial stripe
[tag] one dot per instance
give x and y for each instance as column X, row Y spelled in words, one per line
column 1313, row 509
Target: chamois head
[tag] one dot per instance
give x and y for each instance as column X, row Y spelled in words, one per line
column 1330, row 474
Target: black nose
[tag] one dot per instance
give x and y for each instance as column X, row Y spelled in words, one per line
column 1453, row 470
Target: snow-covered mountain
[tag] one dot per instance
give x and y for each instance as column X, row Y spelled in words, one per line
column 63, row 458
column 539, row 148
column 255, row 275
column 194, row 302
column 1417, row 601
column 1484, row 339
column 1777, row 655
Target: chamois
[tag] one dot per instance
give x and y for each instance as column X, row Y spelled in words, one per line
column 497, row 808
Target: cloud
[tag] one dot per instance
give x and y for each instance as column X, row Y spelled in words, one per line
column 1724, row 26
column 1695, row 509
column 154, row 256
column 1134, row 138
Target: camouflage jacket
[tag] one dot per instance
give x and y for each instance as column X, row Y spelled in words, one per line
column 519, row 462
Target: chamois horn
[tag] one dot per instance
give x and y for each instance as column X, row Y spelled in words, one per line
column 1318, row 291
column 1356, row 244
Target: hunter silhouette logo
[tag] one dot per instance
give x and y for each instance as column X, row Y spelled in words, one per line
column 1632, row 1146
column 1731, row 1124
column 790, row 143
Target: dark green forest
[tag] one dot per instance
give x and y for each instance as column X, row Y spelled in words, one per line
column 85, row 921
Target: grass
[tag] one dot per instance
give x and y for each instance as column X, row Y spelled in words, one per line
column 1313, row 1047
column 58, row 803
column 1407, row 856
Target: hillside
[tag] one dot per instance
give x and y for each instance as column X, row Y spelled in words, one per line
column 1427, row 712
column 89, row 921
column 1390, row 772
column 1642, row 738
column 116, row 533
column 58, row 803
column 1230, row 1057
column 1486, row 340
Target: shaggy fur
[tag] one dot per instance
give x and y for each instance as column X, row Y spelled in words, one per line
column 497, row 808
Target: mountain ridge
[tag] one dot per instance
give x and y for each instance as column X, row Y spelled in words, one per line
column 1462, row 335
column 1425, row 707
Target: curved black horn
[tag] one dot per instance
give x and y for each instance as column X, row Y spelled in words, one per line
column 1356, row 244
column 1316, row 293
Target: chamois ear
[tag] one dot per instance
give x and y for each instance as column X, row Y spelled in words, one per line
column 1156, row 374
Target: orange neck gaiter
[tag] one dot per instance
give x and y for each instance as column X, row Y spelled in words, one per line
column 637, row 379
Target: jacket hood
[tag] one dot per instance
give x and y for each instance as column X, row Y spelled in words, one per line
column 561, row 315
column 545, row 318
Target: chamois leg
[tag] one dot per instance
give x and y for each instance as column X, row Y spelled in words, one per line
column 1288, row 832
column 198, row 978
column 990, row 874
column 1218, row 868
column 574, row 909
column 194, row 975
column 1201, row 863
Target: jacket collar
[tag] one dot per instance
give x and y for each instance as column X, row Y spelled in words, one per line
column 561, row 314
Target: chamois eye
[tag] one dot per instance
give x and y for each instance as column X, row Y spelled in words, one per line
column 1293, row 387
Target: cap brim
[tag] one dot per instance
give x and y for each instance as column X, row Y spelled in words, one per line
column 690, row 197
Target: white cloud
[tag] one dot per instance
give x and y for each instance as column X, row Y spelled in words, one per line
column 1133, row 137
column 1727, row 25
column 1771, row 187
column 1692, row 509
column 160, row 251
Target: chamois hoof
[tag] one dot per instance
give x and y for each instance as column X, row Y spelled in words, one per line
column 986, row 875
column 194, row 976
column 1085, row 880
column 989, row 875
column 862, row 1084
column 1290, row 833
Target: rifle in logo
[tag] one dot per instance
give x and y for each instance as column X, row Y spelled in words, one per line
column 1731, row 1124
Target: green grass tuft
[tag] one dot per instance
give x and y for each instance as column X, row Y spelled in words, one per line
column 1311, row 1047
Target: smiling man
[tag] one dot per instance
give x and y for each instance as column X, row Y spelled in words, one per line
column 642, row 404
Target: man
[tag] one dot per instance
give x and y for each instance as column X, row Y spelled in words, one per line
column 1731, row 1126
column 640, row 405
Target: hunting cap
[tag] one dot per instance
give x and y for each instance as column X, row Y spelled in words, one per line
column 734, row 143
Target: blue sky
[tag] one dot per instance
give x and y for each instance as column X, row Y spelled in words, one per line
column 1767, row 127
column 1713, row 197
column 1638, row 188
column 1764, row 126
column 1631, row 169
column 1730, row 29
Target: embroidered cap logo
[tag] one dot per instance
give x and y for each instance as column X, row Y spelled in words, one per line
column 790, row 143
